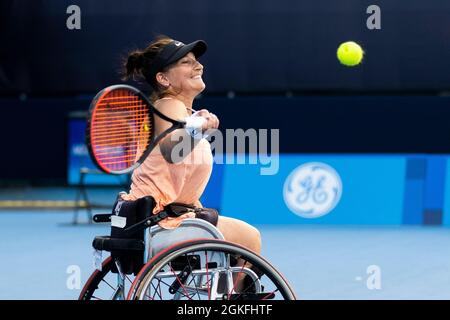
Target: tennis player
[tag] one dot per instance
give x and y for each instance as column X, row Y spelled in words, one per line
column 173, row 71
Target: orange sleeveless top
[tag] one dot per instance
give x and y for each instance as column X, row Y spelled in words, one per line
column 173, row 182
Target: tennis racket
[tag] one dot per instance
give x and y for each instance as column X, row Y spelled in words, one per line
column 120, row 130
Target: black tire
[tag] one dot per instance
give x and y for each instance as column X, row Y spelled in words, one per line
column 101, row 285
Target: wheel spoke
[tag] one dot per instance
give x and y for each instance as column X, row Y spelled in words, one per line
column 108, row 284
column 270, row 294
column 207, row 276
column 236, row 281
column 156, row 290
column 160, row 293
column 250, row 285
column 184, row 295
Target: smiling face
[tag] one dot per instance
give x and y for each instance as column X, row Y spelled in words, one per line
column 184, row 76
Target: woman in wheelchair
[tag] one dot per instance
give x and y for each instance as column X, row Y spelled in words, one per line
column 177, row 171
column 166, row 175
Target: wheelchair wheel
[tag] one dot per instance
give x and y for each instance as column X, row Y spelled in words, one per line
column 103, row 285
column 209, row 269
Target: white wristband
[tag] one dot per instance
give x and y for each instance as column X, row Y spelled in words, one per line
column 194, row 126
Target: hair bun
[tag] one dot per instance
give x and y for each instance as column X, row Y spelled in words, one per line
column 136, row 60
column 134, row 65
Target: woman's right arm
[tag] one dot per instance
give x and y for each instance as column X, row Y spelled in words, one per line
column 180, row 138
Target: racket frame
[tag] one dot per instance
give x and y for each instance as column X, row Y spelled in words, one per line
column 153, row 139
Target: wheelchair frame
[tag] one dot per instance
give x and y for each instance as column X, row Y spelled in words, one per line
column 160, row 245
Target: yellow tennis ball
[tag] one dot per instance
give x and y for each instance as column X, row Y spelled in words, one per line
column 350, row 53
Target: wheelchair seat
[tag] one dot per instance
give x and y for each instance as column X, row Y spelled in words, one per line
column 161, row 238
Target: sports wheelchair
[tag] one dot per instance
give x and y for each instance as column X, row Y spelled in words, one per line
column 191, row 262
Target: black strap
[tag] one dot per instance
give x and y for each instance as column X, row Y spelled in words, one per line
column 176, row 209
column 171, row 210
column 148, row 222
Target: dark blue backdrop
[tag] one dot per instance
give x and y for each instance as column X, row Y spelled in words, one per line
column 254, row 46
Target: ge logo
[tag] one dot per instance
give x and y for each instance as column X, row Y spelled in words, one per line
column 312, row 190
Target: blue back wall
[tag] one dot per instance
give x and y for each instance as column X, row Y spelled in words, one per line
column 376, row 189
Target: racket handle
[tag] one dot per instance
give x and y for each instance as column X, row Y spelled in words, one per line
column 194, row 126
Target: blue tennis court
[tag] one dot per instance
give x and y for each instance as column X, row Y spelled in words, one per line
column 40, row 251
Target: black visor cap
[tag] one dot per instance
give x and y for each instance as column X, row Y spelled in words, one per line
column 171, row 53
column 198, row 48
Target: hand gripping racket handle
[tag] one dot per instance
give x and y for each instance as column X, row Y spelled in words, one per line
column 194, row 126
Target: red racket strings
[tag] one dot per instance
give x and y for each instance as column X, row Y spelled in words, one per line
column 120, row 129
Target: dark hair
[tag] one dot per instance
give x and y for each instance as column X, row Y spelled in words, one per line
column 139, row 61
